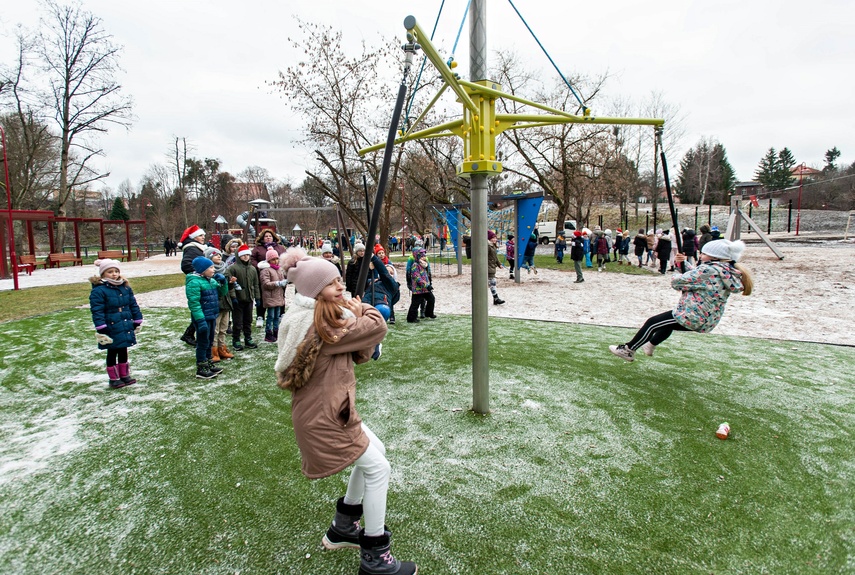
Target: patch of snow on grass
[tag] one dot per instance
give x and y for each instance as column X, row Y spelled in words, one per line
column 29, row 448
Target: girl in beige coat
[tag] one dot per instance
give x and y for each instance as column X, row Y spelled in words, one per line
column 320, row 337
column 271, row 278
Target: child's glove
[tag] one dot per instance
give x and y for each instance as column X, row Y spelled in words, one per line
column 137, row 328
column 103, row 338
column 220, row 278
column 282, row 283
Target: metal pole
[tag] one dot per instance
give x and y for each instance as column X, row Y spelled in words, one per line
column 789, row 215
column 799, row 207
column 480, row 337
column 769, row 220
column 677, row 237
column 12, row 257
column 409, row 50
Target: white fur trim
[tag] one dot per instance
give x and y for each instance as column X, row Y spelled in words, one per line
column 263, row 265
column 293, row 328
column 245, row 253
column 197, row 233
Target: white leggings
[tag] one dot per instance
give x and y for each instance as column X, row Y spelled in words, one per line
column 368, row 484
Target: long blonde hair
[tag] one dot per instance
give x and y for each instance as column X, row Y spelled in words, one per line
column 747, row 280
column 327, row 314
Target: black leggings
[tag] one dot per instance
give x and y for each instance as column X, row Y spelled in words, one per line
column 655, row 330
column 115, row 356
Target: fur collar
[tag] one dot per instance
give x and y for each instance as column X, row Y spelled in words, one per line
column 96, row 281
column 295, row 324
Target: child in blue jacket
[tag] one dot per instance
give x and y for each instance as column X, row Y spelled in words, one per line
column 117, row 319
column 203, row 289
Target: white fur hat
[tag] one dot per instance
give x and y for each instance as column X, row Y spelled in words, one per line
column 724, row 249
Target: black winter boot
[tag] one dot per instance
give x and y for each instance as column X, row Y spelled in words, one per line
column 344, row 530
column 497, row 300
column 236, row 345
column 189, row 336
column 212, row 367
column 202, row 371
column 376, row 557
column 249, row 344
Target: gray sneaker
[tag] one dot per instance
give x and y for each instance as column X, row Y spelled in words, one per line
column 622, row 352
column 648, row 348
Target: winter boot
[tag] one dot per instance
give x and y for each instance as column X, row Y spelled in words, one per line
column 125, row 373
column 224, row 352
column 188, row 336
column 497, row 300
column 213, row 368
column 249, row 344
column 376, row 557
column 215, row 354
column 344, row 530
column 113, row 374
column 268, row 336
column 202, row 371
column 236, row 345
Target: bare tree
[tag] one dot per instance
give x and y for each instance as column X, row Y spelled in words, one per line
column 639, row 142
column 32, row 148
column 340, row 95
column 565, row 160
column 82, row 64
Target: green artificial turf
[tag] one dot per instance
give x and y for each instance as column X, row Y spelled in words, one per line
column 586, row 463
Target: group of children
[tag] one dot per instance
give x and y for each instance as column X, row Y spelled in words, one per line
column 323, row 334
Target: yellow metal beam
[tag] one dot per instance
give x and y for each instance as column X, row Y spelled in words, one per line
column 480, row 124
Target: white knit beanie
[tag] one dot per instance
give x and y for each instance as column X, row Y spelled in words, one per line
column 724, row 249
column 105, row 264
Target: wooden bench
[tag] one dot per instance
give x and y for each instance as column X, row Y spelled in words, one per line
column 141, row 255
column 29, row 263
column 56, row 260
column 112, row 254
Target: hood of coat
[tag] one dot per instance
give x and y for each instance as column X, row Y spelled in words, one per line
column 263, row 265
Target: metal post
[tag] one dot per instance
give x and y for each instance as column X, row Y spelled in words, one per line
column 709, row 215
column 769, row 220
column 12, row 256
column 750, row 213
column 789, row 215
column 799, row 207
column 480, row 336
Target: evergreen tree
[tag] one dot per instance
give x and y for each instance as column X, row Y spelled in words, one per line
column 766, row 170
column 831, row 157
column 119, row 211
column 727, row 175
column 784, row 175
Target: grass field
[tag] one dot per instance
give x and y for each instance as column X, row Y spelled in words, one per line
column 586, row 464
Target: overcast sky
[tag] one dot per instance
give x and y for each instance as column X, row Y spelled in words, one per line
column 752, row 74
